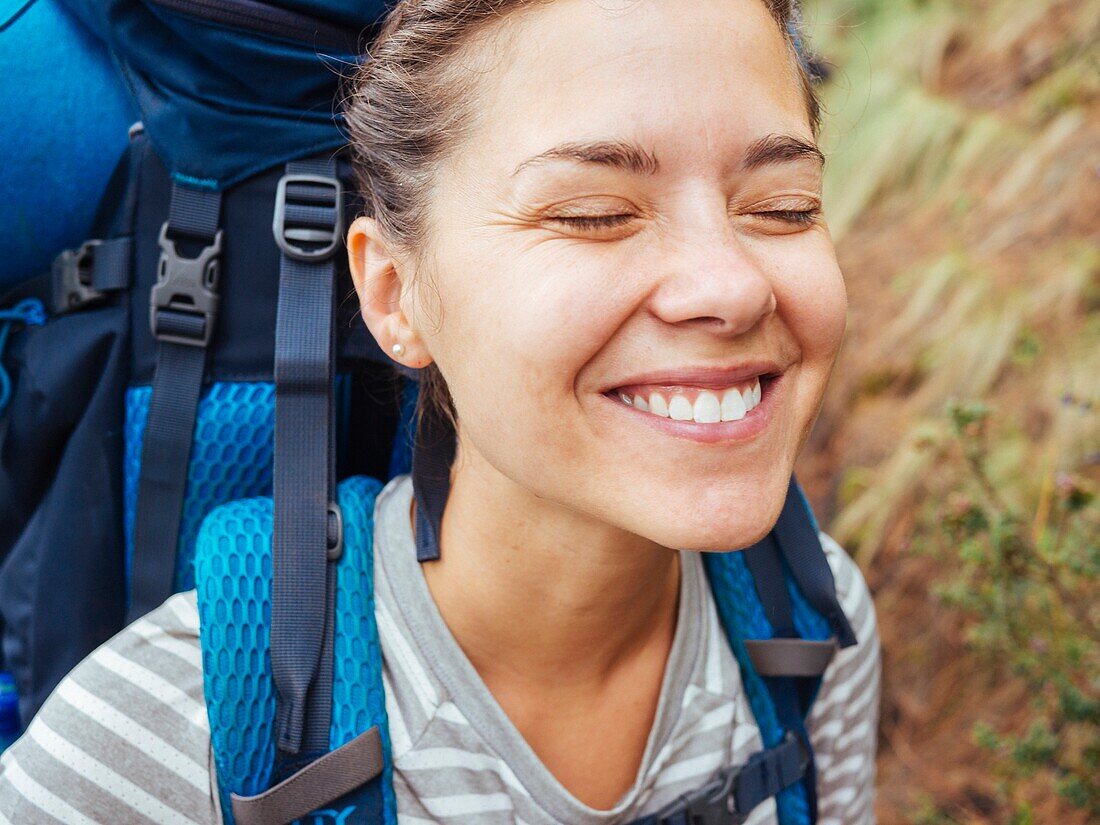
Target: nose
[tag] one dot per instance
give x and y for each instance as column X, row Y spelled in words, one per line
column 713, row 281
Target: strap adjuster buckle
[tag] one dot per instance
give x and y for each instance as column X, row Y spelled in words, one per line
column 72, row 278
column 712, row 804
column 733, row 793
column 309, row 216
column 334, row 533
column 184, row 301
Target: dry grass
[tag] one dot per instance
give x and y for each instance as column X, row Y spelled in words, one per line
column 963, row 191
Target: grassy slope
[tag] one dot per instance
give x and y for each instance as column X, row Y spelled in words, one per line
column 963, row 191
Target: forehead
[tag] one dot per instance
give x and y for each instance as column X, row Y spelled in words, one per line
column 696, row 87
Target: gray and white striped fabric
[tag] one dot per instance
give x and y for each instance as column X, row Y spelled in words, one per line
column 125, row 737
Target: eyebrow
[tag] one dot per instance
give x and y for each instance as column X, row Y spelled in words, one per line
column 779, row 149
column 621, row 154
column 618, row 154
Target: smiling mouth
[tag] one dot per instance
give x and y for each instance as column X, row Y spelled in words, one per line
column 701, row 405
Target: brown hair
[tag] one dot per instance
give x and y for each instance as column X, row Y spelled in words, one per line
column 411, row 101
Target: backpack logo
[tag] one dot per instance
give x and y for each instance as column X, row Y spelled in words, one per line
column 326, row 816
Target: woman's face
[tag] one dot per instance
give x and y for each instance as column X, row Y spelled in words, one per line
column 633, row 214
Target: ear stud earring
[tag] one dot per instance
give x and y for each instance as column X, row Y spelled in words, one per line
column 398, row 350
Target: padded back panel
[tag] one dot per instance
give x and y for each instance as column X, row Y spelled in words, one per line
column 358, row 699
column 230, row 459
column 233, row 577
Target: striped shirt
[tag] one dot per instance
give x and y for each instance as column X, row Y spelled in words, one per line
column 125, row 737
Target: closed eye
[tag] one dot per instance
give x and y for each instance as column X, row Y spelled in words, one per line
column 592, row 221
column 799, row 216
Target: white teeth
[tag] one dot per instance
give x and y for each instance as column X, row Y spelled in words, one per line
column 706, row 409
column 733, row 406
column 657, row 405
column 679, row 408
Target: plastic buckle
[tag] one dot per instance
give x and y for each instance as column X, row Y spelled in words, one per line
column 335, row 529
column 712, row 804
column 300, row 241
column 72, row 278
column 187, row 286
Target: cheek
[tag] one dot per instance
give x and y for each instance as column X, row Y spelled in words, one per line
column 526, row 321
column 812, row 299
column 547, row 315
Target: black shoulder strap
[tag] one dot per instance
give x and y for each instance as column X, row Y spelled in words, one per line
column 433, row 453
column 182, row 312
column 307, row 534
column 798, row 541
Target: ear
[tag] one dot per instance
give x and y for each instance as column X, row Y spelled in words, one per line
column 378, row 285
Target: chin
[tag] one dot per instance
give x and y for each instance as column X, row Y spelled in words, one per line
column 708, row 540
column 715, row 529
column 729, row 514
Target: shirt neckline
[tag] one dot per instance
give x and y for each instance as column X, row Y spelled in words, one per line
column 466, row 690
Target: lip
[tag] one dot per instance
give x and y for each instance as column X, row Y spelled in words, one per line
column 705, row 377
column 725, row 432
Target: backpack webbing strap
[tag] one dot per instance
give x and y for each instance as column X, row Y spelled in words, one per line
column 331, row 776
column 433, row 454
column 801, row 549
column 307, row 532
column 793, row 660
column 183, row 308
column 787, row 654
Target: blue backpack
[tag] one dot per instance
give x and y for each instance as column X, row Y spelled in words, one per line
column 138, row 375
column 776, row 600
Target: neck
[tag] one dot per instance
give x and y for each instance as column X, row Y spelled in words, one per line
column 537, row 593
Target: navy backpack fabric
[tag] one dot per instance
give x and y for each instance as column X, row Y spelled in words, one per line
column 228, row 92
column 228, row 88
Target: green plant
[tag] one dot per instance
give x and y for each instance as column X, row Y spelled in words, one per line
column 1025, row 577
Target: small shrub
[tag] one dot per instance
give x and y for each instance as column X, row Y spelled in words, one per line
column 1027, row 587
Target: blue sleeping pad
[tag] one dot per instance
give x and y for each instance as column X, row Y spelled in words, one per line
column 64, row 125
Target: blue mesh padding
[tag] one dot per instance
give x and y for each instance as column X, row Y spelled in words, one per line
column 743, row 617
column 231, row 458
column 233, row 575
column 358, row 700
column 808, row 622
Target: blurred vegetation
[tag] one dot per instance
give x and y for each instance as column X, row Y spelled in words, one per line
column 957, row 455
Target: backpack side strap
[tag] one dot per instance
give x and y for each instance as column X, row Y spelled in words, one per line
column 790, row 657
column 335, row 774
